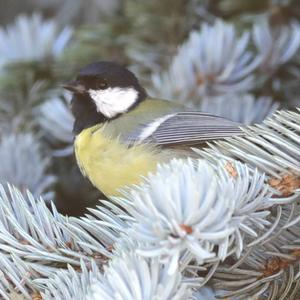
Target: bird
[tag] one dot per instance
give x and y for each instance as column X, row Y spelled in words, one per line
column 122, row 134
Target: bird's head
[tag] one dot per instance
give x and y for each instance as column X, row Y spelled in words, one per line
column 107, row 87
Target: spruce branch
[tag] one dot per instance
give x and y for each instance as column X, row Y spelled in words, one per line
column 243, row 108
column 31, row 39
column 146, row 48
column 139, row 278
column 70, row 283
column 266, row 270
column 229, row 221
column 268, row 264
column 17, row 105
column 272, row 147
column 104, row 224
column 215, row 216
column 128, row 276
column 205, row 214
column 204, row 293
column 56, row 119
column 28, row 50
column 24, row 165
column 30, row 231
column 252, row 200
column 213, row 61
column 184, row 221
column 15, row 278
column 276, row 46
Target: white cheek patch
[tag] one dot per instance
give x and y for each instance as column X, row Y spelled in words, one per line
column 113, row 101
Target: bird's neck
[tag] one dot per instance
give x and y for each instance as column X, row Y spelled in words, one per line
column 86, row 114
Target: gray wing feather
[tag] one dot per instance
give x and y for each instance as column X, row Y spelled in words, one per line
column 186, row 128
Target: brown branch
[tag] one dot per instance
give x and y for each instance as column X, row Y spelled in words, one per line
column 287, row 184
column 275, row 264
column 229, row 167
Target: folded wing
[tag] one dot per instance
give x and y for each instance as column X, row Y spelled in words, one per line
column 185, row 128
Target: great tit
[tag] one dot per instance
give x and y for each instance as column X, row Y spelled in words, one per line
column 122, row 133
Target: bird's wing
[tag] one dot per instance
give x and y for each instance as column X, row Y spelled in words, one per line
column 185, row 128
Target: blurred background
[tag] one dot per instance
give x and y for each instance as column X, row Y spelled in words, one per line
column 238, row 59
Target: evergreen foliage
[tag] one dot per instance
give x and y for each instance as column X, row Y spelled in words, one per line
column 224, row 223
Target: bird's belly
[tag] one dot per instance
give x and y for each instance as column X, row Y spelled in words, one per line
column 111, row 165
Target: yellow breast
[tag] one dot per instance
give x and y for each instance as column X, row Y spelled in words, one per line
column 111, row 165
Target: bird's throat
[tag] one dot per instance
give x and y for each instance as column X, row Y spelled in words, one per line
column 85, row 113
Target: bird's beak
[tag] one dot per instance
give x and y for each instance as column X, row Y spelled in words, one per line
column 74, row 86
